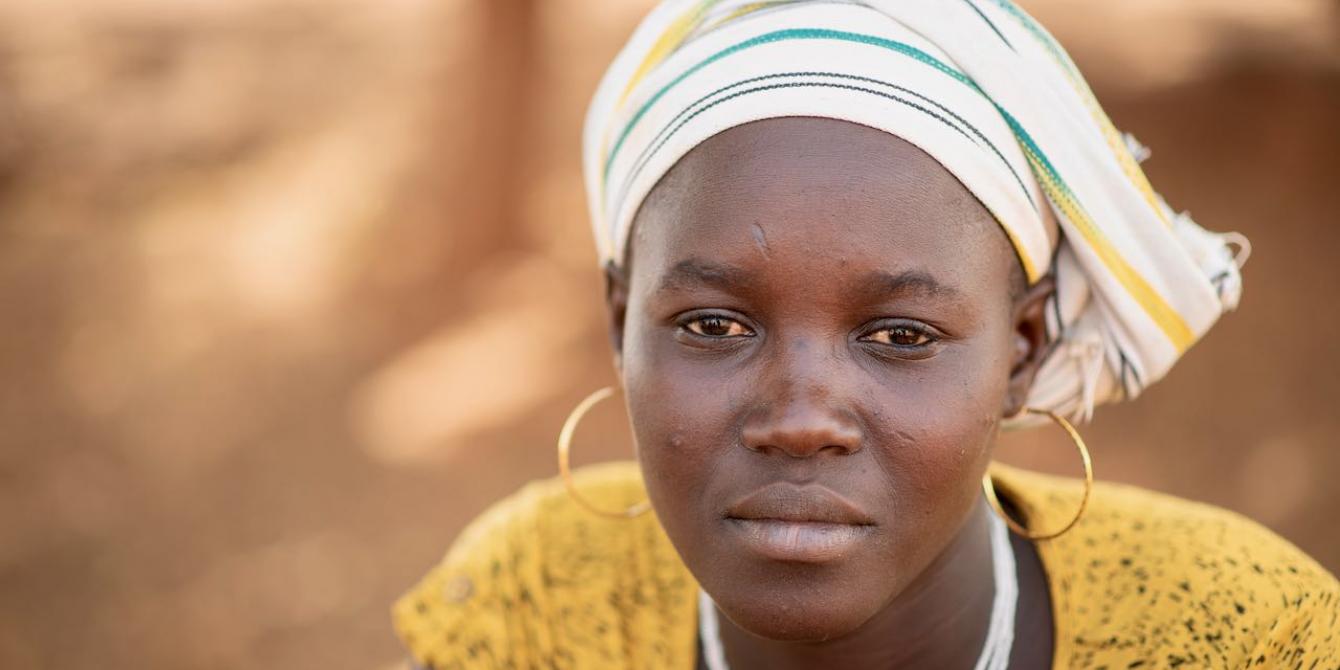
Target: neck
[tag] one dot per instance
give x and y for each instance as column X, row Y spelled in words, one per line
column 939, row 621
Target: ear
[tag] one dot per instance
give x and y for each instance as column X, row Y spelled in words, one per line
column 616, row 303
column 1030, row 343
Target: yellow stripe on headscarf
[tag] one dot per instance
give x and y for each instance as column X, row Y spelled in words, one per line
column 744, row 11
column 672, row 37
column 1159, row 311
column 1114, row 140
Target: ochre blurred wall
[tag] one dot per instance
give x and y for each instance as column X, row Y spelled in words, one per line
column 291, row 289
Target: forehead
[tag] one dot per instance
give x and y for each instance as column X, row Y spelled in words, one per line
column 812, row 196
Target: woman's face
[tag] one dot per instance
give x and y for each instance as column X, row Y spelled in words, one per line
column 819, row 332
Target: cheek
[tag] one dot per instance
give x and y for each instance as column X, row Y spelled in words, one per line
column 934, row 427
column 681, row 422
column 946, row 417
column 678, row 398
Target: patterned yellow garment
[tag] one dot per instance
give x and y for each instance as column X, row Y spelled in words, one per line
column 1145, row 580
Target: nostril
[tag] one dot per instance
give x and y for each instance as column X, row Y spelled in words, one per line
column 802, row 434
column 841, row 449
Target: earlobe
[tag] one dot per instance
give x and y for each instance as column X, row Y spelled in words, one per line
column 1030, row 342
column 616, row 304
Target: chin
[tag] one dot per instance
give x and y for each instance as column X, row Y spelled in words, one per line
column 795, row 617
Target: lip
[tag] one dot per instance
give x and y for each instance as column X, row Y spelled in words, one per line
column 805, row 524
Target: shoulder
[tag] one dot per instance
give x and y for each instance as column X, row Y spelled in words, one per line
column 538, row 580
column 1147, row 576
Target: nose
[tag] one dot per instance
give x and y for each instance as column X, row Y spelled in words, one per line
column 802, row 427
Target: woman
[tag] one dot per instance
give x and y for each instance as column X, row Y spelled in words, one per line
column 844, row 244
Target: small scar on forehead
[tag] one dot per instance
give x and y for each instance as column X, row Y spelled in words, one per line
column 760, row 239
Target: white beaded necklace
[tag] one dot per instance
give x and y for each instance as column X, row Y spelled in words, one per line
column 999, row 638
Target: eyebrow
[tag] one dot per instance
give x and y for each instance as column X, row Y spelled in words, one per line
column 911, row 281
column 696, row 271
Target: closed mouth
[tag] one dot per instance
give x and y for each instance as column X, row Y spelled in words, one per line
column 805, row 524
column 787, row 502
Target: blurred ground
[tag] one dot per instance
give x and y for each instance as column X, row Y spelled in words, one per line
column 291, row 289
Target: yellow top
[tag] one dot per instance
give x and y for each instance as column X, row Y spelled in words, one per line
column 1144, row 580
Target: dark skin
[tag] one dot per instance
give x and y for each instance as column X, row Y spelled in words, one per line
column 815, row 307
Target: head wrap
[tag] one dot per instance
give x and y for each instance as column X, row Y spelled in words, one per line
column 987, row 92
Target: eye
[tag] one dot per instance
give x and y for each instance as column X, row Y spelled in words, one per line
column 716, row 326
column 902, row 335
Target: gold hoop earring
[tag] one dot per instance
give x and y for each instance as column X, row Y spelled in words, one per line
column 990, row 489
column 565, row 447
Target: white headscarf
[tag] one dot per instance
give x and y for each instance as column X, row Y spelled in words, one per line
column 983, row 89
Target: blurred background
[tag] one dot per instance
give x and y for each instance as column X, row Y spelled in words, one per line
column 292, row 289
